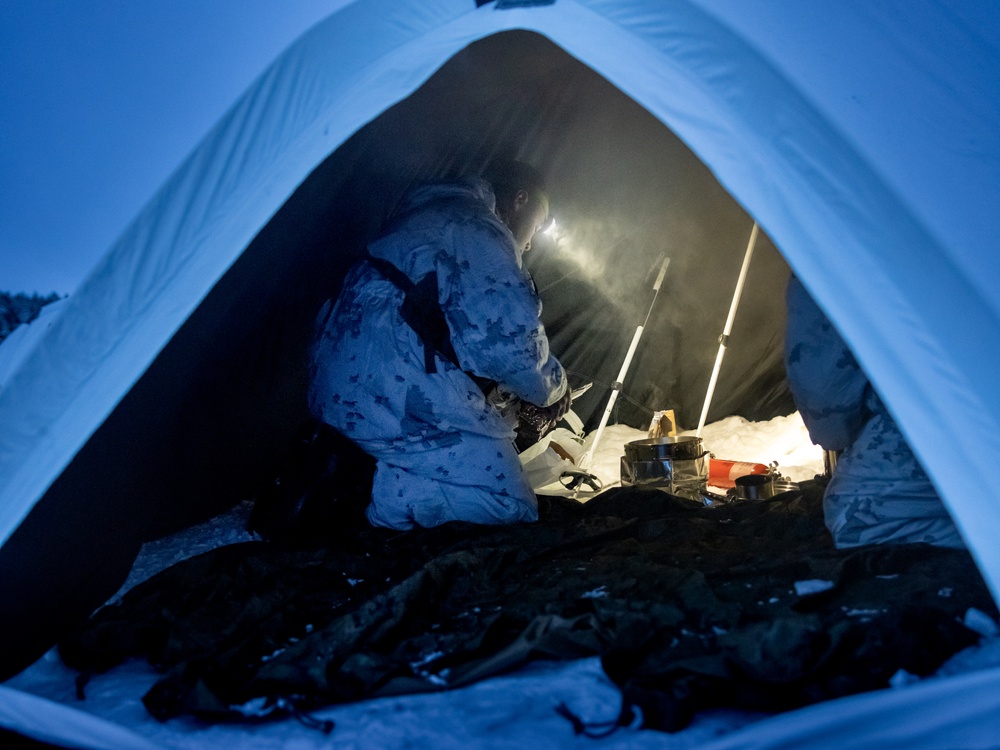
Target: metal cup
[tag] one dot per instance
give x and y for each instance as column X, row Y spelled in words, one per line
column 755, row 487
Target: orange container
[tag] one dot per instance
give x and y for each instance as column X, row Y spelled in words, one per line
column 724, row 473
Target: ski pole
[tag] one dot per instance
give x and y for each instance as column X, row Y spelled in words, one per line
column 724, row 338
column 616, row 388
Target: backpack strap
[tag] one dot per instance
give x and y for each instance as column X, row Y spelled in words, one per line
column 421, row 311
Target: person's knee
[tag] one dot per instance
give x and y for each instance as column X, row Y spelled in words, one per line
column 402, row 500
column 858, row 522
column 380, row 519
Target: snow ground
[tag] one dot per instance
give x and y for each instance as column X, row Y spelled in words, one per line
column 517, row 710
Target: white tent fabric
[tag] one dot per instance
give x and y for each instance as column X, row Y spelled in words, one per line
column 48, row 721
column 960, row 712
column 862, row 137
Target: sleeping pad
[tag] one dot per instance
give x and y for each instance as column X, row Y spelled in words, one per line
column 745, row 605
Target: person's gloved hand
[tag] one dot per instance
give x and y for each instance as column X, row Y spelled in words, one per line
column 560, row 407
column 534, row 421
column 551, row 413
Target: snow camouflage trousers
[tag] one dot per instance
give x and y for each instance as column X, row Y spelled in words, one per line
column 886, row 510
column 880, row 494
column 453, row 477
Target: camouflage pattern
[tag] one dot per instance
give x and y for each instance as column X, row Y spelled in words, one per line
column 442, row 452
column 879, row 493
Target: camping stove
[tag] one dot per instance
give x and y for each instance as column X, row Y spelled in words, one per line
column 678, row 465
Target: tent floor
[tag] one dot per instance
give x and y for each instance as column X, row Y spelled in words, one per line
column 690, row 608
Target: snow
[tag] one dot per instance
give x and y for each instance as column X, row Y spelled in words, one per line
column 980, row 622
column 783, row 441
column 512, row 711
column 811, row 586
column 23, row 339
column 598, row 593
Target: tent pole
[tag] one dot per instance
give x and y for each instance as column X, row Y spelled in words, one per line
column 586, row 458
column 724, row 338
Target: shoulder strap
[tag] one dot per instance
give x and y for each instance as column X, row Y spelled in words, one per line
column 421, row 311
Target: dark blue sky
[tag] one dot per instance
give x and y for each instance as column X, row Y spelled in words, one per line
column 100, row 100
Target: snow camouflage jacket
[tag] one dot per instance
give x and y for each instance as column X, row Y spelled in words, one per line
column 879, row 492
column 368, row 375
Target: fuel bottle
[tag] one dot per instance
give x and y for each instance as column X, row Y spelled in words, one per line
column 723, row 473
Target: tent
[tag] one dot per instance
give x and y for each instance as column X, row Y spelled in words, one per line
column 861, row 138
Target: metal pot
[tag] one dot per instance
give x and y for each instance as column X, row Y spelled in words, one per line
column 678, row 465
column 686, row 447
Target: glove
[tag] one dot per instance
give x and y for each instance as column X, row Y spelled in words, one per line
column 559, row 408
column 534, row 422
